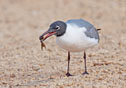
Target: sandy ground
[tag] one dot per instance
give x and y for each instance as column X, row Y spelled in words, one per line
column 24, row 65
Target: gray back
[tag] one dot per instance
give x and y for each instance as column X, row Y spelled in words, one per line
column 91, row 30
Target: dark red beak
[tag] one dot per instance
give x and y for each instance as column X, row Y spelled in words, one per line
column 47, row 34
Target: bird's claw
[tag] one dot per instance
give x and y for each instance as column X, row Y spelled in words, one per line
column 68, row 74
column 84, row 73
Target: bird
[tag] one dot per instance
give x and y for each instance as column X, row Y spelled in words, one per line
column 74, row 35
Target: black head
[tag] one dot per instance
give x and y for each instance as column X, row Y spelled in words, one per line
column 57, row 28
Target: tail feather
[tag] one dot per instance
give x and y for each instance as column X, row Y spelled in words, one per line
column 98, row 29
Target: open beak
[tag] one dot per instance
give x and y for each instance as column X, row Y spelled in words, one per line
column 47, row 34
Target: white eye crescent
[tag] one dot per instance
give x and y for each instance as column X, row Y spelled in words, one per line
column 57, row 27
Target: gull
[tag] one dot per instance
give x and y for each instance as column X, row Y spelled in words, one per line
column 74, row 35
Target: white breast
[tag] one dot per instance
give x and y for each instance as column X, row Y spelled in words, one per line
column 75, row 40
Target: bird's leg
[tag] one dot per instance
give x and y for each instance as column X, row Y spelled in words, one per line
column 68, row 74
column 85, row 67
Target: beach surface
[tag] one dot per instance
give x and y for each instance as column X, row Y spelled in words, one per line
column 24, row 65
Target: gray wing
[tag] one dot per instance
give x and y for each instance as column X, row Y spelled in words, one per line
column 91, row 30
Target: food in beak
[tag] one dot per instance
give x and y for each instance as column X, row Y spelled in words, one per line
column 42, row 44
column 44, row 36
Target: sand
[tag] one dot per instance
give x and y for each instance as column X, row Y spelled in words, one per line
column 24, row 65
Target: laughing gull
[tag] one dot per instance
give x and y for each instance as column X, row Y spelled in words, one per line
column 75, row 35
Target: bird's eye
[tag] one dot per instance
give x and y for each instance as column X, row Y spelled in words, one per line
column 57, row 27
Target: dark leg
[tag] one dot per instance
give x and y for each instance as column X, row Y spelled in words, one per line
column 85, row 72
column 68, row 74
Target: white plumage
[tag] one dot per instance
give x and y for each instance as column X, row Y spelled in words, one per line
column 75, row 39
